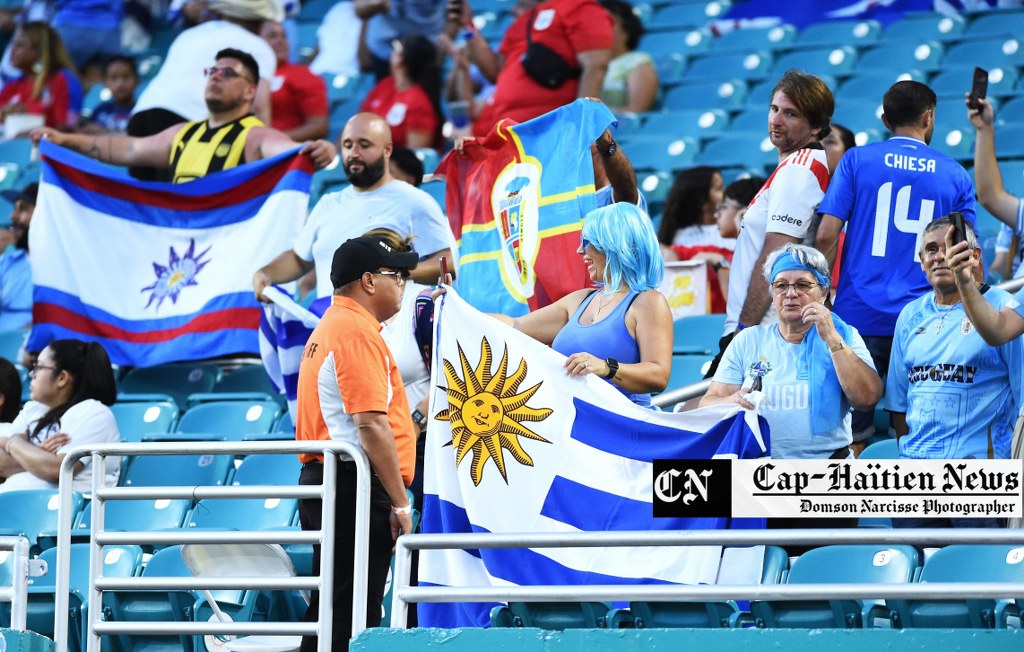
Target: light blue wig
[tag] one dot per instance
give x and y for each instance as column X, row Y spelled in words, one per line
column 625, row 235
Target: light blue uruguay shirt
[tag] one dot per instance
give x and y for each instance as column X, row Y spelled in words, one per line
column 960, row 395
column 786, row 405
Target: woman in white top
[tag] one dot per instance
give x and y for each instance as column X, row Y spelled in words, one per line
column 72, row 385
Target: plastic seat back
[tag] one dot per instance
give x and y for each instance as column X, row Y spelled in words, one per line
column 230, row 419
column 31, row 512
column 887, row 449
column 268, row 469
column 178, row 470
column 698, row 334
column 243, row 513
column 686, row 370
column 136, row 515
column 554, row 616
column 174, row 380
column 136, row 420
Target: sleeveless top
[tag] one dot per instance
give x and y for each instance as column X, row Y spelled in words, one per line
column 198, row 150
column 608, row 338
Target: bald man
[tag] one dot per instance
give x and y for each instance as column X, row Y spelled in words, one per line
column 374, row 200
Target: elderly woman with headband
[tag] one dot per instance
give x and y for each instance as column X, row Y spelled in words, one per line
column 622, row 330
column 811, row 366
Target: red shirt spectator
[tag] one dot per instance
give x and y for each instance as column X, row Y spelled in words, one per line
column 52, row 103
column 569, row 27
column 297, row 95
column 404, row 111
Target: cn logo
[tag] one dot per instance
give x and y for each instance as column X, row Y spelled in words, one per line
column 692, row 488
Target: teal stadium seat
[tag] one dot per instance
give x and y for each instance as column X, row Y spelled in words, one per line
column 285, row 424
column 887, row 449
column 993, row 23
column 134, row 516
column 671, row 68
column 697, row 124
column 342, row 88
column 264, row 469
column 244, row 513
column 137, row 419
column 871, row 86
column 653, row 152
column 230, row 419
column 330, row 179
column 246, row 383
column 698, row 614
column 749, row 65
column 860, row 115
column 776, row 37
column 726, row 94
column 954, row 140
column 859, row 33
column 752, row 121
column 9, row 174
column 687, row 370
column 153, row 606
column 698, row 334
column 965, row 563
column 314, row 10
column 437, row 190
column 834, row 61
column 177, row 470
column 925, row 27
column 1011, row 113
column 752, row 150
column 683, row 15
column 11, row 343
column 682, row 42
column 17, row 151
column 429, row 157
column 987, row 53
column 31, row 512
column 954, row 82
column 847, row 564
column 175, row 380
column 655, row 186
column 555, row 616
column 920, row 55
column 1013, row 175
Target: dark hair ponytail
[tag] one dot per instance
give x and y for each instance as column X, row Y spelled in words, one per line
column 10, row 387
column 91, row 377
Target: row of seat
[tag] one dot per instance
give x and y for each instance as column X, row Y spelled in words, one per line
column 842, row 564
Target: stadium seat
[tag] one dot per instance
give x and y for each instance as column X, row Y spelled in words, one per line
column 922, row 55
column 1013, row 173
column 727, row 94
column 655, row 187
column 437, row 190
column 9, row 175
column 964, row 563
column 924, row 27
column 250, row 378
column 670, row 68
column 1011, row 113
column 954, row 140
column 871, row 86
column 137, row 419
column 760, row 95
column 149, row 606
column 777, row 37
column 267, row 469
column 954, row 82
column 987, row 53
column 687, row 370
column 698, row 334
column 818, row 61
column 305, row 36
column 994, row 23
column 244, row 513
column 554, row 616
column 858, row 33
column 134, row 516
column 177, row 470
column 686, row 42
column 698, row 614
column 330, row 179
column 844, row 565
column 753, row 120
column 31, row 512
column 662, row 152
column 685, row 15
column 738, row 65
column 11, row 343
column 17, row 151
column 174, row 380
column 285, row 424
column 230, row 419
column 690, row 124
column 887, row 449
column 752, row 150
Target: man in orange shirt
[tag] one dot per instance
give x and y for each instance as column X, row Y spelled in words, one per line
column 350, row 389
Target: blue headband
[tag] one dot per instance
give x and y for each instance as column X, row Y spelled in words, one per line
column 786, row 262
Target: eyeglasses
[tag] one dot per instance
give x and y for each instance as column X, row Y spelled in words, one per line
column 36, row 367
column 801, row 287
column 225, row 72
column 399, row 275
column 584, row 243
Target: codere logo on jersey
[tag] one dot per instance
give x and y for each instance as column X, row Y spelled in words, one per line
column 789, row 219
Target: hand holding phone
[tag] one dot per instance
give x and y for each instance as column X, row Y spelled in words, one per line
column 959, row 227
column 979, row 88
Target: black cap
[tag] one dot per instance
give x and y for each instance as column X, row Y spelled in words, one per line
column 367, row 254
column 28, row 193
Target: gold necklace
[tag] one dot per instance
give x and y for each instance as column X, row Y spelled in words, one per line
column 942, row 315
column 601, row 305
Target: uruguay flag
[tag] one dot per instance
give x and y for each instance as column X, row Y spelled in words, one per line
column 515, row 200
column 158, row 272
column 285, row 327
column 516, row 445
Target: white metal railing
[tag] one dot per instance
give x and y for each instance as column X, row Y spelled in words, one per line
column 325, row 537
column 403, row 593
column 17, row 592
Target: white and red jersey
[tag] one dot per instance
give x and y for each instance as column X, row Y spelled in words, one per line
column 787, row 203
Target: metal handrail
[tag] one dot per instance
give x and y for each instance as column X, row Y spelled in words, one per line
column 403, row 593
column 17, row 593
column 325, row 537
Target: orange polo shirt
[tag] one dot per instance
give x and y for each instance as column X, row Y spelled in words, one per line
column 346, row 369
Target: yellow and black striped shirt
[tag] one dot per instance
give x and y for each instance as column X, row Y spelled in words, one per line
column 198, row 150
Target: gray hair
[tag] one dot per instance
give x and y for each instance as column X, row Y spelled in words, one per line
column 945, row 223
column 804, row 255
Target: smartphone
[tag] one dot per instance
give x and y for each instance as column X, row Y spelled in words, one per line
column 444, row 268
column 959, row 228
column 979, row 88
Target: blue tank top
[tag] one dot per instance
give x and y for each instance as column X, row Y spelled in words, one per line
column 608, row 338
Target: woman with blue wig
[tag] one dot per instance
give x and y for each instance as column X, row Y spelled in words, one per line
column 621, row 331
column 811, row 367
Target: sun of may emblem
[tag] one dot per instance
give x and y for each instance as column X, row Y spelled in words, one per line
column 486, row 413
column 179, row 273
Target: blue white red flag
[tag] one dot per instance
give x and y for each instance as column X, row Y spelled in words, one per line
column 285, row 326
column 158, row 272
column 515, row 201
column 515, row 445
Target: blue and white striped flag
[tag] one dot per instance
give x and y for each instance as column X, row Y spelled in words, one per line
column 515, row 445
column 285, row 327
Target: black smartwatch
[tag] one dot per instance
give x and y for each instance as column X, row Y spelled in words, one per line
column 613, row 367
column 419, row 417
column 610, row 152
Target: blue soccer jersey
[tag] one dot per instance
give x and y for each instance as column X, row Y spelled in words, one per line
column 960, row 395
column 886, row 193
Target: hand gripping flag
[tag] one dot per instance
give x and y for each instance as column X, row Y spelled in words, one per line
column 153, row 271
column 515, row 445
column 515, row 200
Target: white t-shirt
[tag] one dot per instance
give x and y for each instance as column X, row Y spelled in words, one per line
column 399, row 335
column 348, row 214
column 337, row 56
column 180, row 85
column 786, row 203
column 88, row 422
column 700, row 235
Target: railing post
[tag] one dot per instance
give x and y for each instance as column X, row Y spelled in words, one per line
column 19, row 598
column 399, row 581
